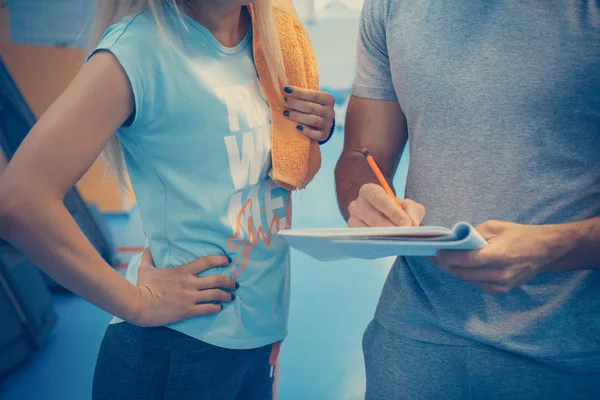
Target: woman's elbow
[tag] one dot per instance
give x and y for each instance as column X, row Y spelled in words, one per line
column 7, row 211
column 13, row 208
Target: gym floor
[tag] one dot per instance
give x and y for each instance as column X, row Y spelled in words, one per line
column 331, row 302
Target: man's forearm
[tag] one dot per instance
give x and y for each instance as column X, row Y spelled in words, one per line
column 577, row 243
column 351, row 173
column 364, row 117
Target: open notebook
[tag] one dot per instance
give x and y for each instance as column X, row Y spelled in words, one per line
column 370, row 243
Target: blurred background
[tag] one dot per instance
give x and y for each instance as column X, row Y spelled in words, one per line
column 49, row 338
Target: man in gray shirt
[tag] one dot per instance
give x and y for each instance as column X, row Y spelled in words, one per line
column 500, row 103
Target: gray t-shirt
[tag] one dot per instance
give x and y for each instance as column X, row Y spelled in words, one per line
column 502, row 101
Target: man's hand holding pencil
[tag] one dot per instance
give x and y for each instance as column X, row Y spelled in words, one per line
column 377, row 205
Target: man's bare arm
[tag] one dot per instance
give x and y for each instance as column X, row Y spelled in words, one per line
column 380, row 126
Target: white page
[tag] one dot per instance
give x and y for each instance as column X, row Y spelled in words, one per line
column 420, row 231
column 347, row 243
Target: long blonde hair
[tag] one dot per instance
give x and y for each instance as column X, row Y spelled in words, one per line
column 110, row 12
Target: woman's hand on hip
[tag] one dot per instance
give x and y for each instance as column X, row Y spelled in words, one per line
column 168, row 295
column 312, row 110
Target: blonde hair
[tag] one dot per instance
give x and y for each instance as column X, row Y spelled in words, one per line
column 110, row 12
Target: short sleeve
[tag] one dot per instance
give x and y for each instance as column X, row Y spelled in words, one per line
column 127, row 41
column 373, row 78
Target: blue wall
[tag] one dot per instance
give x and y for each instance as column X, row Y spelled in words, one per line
column 51, row 22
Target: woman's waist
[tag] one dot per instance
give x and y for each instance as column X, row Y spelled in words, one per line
column 245, row 323
column 172, row 252
column 254, row 319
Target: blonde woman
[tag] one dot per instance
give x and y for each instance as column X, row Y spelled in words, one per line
column 177, row 82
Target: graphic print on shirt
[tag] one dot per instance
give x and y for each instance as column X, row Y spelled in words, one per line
column 259, row 208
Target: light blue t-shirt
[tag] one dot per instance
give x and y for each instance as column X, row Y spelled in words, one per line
column 198, row 152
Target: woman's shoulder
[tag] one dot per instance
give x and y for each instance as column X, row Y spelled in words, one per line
column 137, row 28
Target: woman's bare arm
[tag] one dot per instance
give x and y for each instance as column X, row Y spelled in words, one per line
column 56, row 153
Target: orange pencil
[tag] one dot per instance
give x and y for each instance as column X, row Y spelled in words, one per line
column 382, row 181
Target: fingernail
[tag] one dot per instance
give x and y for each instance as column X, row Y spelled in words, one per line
column 237, row 285
column 286, row 113
column 287, row 89
column 232, row 297
column 300, row 127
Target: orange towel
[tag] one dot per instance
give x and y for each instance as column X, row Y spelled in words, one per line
column 296, row 158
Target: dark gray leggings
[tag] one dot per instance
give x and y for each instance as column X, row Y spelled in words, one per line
column 162, row 364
